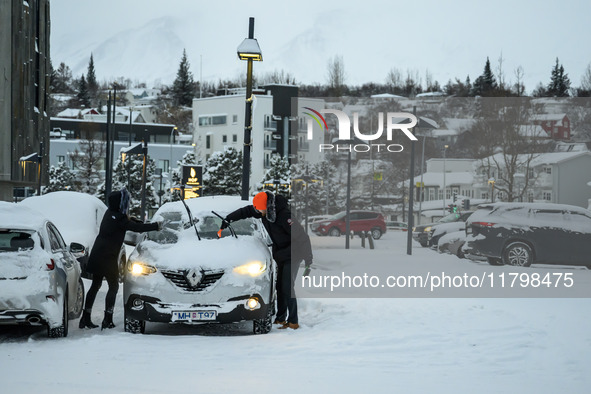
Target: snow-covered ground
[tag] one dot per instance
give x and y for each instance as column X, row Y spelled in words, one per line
column 409, row 345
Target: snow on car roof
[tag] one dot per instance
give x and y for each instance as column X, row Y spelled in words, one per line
column 15, row 216
column 537, row 205
column 77, row 216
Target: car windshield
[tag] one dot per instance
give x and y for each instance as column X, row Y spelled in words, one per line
column 338, row 216
column 208, row 226
column 13, row 241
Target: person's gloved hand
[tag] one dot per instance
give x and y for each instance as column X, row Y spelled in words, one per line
column 307, row 268
column 225, row 224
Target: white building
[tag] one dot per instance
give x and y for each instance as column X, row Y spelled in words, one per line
column 218, row 123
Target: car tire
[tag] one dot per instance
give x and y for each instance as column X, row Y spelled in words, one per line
column 334, row 232
column 263, row 326
column 424, row 244
column 376, row 233
column 494, row 261
column 518, row 254
column 133, row 326
column 79, row 306
column 62, row 330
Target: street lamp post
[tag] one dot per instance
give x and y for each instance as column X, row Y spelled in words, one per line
column 248, row 50
column 36, row 157
column 444, row 185
column 491, row 182
column 173, row 132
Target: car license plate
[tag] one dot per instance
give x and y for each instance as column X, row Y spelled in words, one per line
column 194, row 315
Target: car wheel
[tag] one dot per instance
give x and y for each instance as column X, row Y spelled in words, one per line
column 376, row 233
column 518, row 254
column 62, row 330
column 263, row 326
column 79, row 300
column 134, row 326
column 334, row 232
column 494, row 261
column 424, row 244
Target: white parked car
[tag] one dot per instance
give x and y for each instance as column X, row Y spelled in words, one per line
column 40, row 280
column 175, row 277
column 78, row 217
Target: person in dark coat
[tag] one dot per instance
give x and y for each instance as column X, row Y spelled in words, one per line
column 103, row 259
column 275, row 214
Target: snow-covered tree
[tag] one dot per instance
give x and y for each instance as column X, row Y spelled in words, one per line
column 87, row 163
column 277, row 178
column 60, row 178
column 223, row 173
column 183, row 88
column 324, row 194
column 128, row 174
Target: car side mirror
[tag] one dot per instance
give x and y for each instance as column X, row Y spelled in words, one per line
column 78, row 250
column 132, row 238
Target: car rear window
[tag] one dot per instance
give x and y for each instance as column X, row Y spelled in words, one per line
column 13, row 241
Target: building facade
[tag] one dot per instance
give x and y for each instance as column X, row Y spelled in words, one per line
column 24, row 66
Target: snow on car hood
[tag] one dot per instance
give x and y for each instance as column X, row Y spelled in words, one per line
column 213, row 254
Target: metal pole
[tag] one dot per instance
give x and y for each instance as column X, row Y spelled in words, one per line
column 108, row 152
column 130, row 125
column 411, row 194
column 145, row 152
column 422, row 185
column 40, row 161
column 114, row 133
column 247, row 122
column 444, row 186
column 348, row 214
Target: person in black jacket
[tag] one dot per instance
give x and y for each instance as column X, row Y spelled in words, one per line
column 103, row 259
column 276, row 217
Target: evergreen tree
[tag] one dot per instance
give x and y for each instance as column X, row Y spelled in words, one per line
column 559, row 82
column 277, row 178
column 83, row 95
column 60, row 178
column 128, row 174
column 62, row 80
column 223, row 173
column 87, row 162
column 486, row 84
column 91, row 82
column 183, row 86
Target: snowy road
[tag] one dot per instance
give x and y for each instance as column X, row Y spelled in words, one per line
column 409, row 345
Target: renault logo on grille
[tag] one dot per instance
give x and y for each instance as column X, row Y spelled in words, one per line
column 193, row 277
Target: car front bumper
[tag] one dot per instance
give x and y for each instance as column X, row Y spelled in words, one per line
column 146, row 308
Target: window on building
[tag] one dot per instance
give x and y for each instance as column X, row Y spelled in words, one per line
column 530, row 173
column 530, row 197
column 164, row 164
column 224, row 138
column 548, row 170
column 61, row 158
column 218, row 119
column 209, row 120
column 547, row 196
column 484, row 196
column 234, row 119
column 235, row 138
column 208, row 142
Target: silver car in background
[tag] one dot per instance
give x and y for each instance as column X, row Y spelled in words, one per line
column 186, row 274
column 40, row 281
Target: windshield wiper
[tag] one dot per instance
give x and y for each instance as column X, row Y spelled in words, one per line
column 229, row 225
column 194, row 224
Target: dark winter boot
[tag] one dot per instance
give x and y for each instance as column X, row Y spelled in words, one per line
column 108, row 321
column 85, row 321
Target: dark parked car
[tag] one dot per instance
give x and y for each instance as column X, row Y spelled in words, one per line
column 360, row 221
column 522, row 234
column 421, row 233
column 399, row 226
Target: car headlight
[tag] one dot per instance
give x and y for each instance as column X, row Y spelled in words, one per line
column 253, row 268
column 138, row 268
column 427, row 229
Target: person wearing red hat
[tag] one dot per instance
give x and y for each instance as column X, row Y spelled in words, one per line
column 275, row 214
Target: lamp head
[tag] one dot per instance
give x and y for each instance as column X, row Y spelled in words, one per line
column 249, row 50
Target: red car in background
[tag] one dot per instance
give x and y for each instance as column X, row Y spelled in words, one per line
column 360, row 221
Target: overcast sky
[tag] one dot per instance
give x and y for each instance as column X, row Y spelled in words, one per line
column 448, row 38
